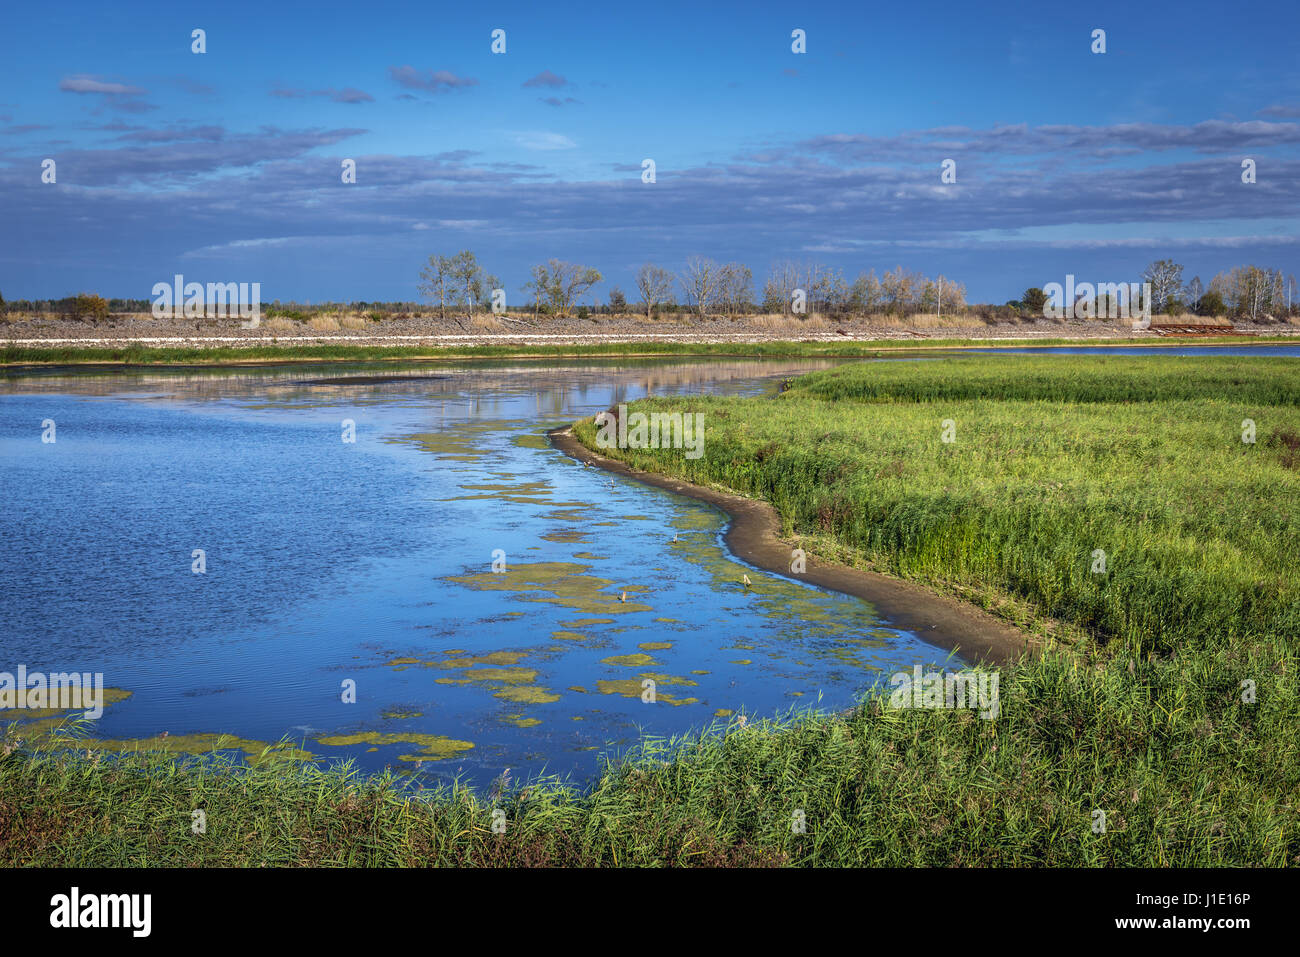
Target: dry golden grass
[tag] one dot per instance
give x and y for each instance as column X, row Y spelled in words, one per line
column 324, row 323
column 280, row 324
column 353, row 322
column 1189, row 319
column 485, row 323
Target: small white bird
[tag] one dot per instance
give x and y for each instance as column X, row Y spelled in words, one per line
column 745, row 579
column 674, row 536
column 623, row 597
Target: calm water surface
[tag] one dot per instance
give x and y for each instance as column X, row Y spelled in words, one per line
column 330, row 562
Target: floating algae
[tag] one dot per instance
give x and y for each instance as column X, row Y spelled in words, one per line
column 433, row 747
column 204, row 743
column 521, row 722
column 565, row 536
column 106, row 697
column 559, row 583
column 530, row 440
column 457, row 443
column 628, row 661
column 632, row 688
column 655, row 645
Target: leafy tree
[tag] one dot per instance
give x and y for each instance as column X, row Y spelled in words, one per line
column 89, row 306
column 1211, row 304
column 617, row 301
column 1033, row 301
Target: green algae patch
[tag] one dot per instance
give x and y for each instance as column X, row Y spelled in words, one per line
column 565, row 536
column 507, row 683
column 631, row 687
column 523, row 493
column 527, row 694
column 203, row 743
column 461, row 659
column 559, row 583
column 530, row 440
column 742, row 661
column 655, row 645
column 400, row 714
column 578, row 688
column 519, row 721
column 433, row 747
column 628, row 661
column 107, row 696
column 491, row 658
column 568, row 636
column 585, row 622
column 461, row 442
column 723, row 713
column 589, row 557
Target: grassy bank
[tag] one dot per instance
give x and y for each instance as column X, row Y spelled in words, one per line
column 1135, row 709
column 135, row 354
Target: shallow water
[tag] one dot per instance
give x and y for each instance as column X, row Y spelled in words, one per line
column 371, row 562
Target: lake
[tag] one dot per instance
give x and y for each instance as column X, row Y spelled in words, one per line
column 329, row 565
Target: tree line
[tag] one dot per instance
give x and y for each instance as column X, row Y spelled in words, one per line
column 1249, row 293
column 459, row 284
column 703, row 287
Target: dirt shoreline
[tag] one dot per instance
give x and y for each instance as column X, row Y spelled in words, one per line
column 753, row 534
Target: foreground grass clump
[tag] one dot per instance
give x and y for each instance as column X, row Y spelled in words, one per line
column 1186, row 773
column 1139, row 458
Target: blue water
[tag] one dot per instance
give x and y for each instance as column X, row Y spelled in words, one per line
column 330, row 562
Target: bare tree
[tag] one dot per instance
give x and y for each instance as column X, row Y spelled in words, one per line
column 700, row 282
column 469, row 281
column 655, row 285
column 564, row 282
column 735, row 287
column 1166, row 278
column 778, row 291
column 899, row 290
column 436, row 281
column 539, row 285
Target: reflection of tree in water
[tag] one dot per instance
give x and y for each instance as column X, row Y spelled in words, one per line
column 478, row 388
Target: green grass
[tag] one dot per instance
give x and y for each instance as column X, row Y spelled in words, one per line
column 1134, row 708
column 1139, row 457
column 152, row 355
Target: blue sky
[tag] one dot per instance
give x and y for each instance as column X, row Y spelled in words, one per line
column 225, row 166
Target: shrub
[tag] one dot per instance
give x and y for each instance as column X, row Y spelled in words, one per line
column 1211, row 304
column 89, row 306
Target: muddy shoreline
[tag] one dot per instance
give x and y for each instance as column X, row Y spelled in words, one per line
column 753, row 534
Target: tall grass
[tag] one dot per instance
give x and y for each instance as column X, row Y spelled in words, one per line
column 1139, row 458
column 1186, row 774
